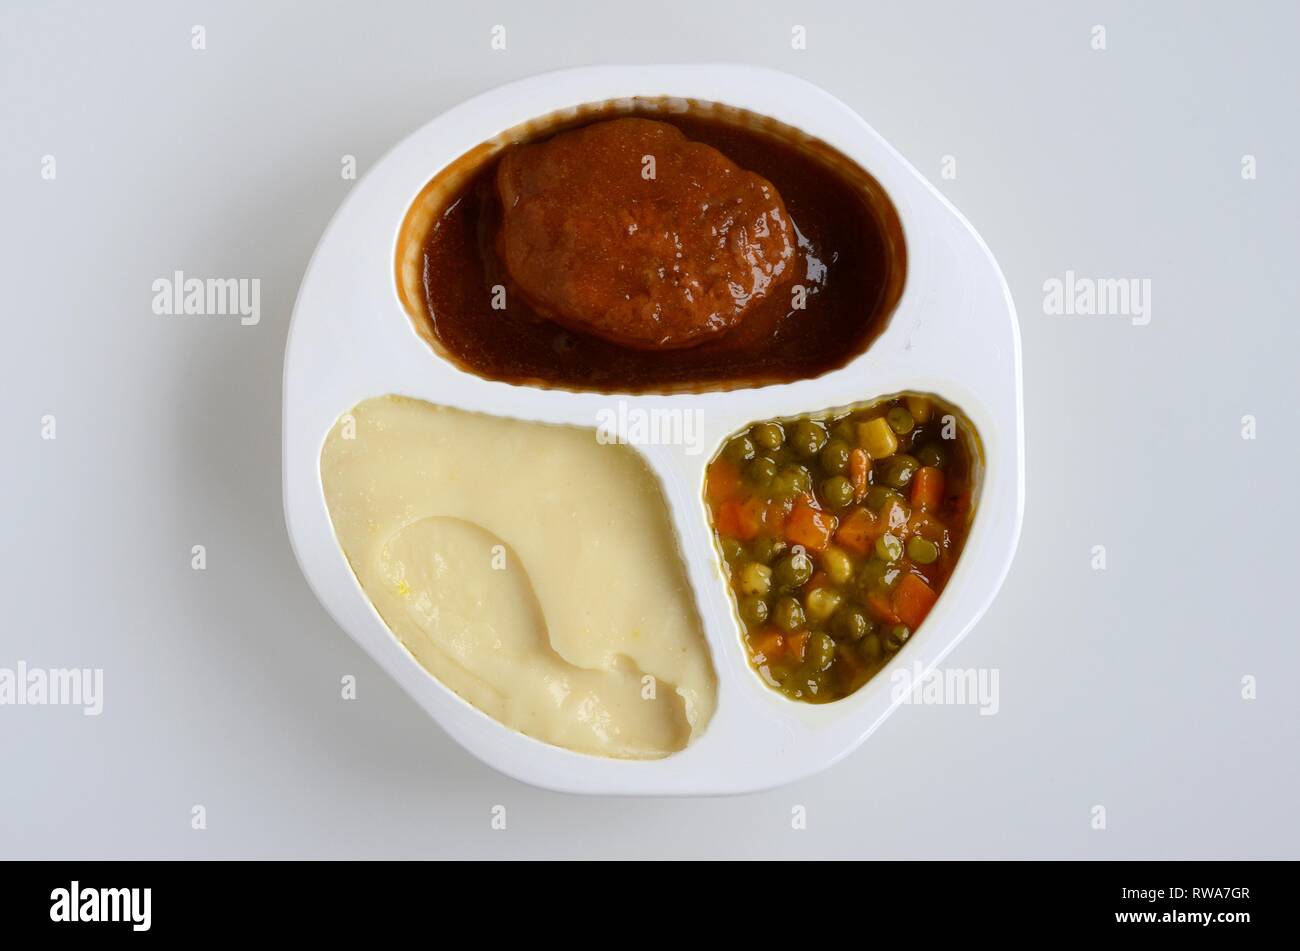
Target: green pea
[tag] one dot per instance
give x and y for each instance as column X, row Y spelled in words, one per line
column 870, row 648
column 797, row 685
column 732, row 550
column 922, row 550
column 835, row 457
column 896, row 637
column 768, row 435
column 889, row 548
column 898, row 470
column 820, row 682
column 762, row 471
column 755, row 579
column 766, row 548
column 900, row 420
column 837, row 491
column 792, row 480
column 899, row 513
column 851, row 624
column 753, row 610
column 792, row 571
column 933, row 454
column 820, row 603
column 821, row 651
column 788, row 614
column 779, row 673
column 877, row 575
column 844, row 431
column 741, row 449
column 808, row 438
column 878, row 497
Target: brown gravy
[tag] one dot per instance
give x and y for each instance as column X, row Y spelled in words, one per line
column 850, row 273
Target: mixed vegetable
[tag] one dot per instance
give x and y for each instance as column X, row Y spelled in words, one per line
column 837, row 534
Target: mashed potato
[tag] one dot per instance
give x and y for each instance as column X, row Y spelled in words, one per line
column 529, row 568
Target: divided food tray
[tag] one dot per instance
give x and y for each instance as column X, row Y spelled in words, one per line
column 953, row 334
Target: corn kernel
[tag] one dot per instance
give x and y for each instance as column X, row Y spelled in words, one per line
column 919, row 407
column 877, row 438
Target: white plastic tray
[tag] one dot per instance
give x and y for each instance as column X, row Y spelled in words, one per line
column 953, row 333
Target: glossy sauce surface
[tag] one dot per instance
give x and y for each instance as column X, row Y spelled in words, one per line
column 629, row 231
column 838, row 533
column 849, row 267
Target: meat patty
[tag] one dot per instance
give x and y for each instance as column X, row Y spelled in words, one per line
column 628, row 230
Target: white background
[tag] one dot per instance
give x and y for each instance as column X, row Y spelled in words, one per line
column 1119, row 688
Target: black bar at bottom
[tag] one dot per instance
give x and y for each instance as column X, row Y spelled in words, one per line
column 332, row 899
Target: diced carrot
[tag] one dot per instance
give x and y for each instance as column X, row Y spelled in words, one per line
column 859, row 531
column 913, row 599
column 859, row 468
column 797, row 644
column 809, row 527
column 727, row 519
column 878, row 604
column 919, row 407
column 927, row 488
column 769, row 642
column 740, row 520
column 723, row 483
